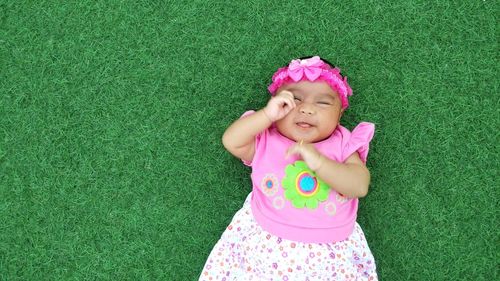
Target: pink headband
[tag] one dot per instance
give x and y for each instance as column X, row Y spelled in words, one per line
column 312, row 69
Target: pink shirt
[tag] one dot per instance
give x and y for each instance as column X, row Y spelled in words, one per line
column 289, row 201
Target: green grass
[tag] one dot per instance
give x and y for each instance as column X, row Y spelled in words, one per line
column 111, row 115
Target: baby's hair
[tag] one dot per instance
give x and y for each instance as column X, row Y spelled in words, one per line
column 327, row 62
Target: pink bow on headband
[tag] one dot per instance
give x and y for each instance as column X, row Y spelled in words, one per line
column 312, row 68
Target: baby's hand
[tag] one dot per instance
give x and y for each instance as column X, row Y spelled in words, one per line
column 279, row 105
column 308, row 153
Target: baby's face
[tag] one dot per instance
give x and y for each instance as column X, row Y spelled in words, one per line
column 316, row 115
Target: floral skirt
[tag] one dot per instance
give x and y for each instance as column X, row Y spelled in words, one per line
column 247, row 252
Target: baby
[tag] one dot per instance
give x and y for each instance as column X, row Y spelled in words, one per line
column 299, row 221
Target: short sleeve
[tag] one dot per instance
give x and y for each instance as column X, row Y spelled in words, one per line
column 359, row 140
column 259, row 139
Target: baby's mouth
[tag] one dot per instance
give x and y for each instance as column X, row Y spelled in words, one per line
column 304, row 125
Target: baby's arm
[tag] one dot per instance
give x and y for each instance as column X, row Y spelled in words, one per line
column 350, row 178
column 239, row 138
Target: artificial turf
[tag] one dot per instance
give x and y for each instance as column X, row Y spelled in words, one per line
column 112, row 112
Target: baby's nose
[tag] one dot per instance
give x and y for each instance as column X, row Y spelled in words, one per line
column 306, row 110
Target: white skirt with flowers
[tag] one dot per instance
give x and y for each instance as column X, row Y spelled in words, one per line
column 247, row 252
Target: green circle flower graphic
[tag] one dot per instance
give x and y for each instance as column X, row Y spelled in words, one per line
column 302, row 187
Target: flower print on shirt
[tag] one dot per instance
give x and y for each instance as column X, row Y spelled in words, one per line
column 269, row 184
column 302, row 187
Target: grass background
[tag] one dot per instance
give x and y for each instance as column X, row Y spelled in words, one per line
column 111, row 115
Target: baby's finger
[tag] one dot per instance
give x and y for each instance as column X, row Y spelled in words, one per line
column 281, row 101
column 294, row 149
column 291, row 99
column 289, row 102
column 287, row 94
